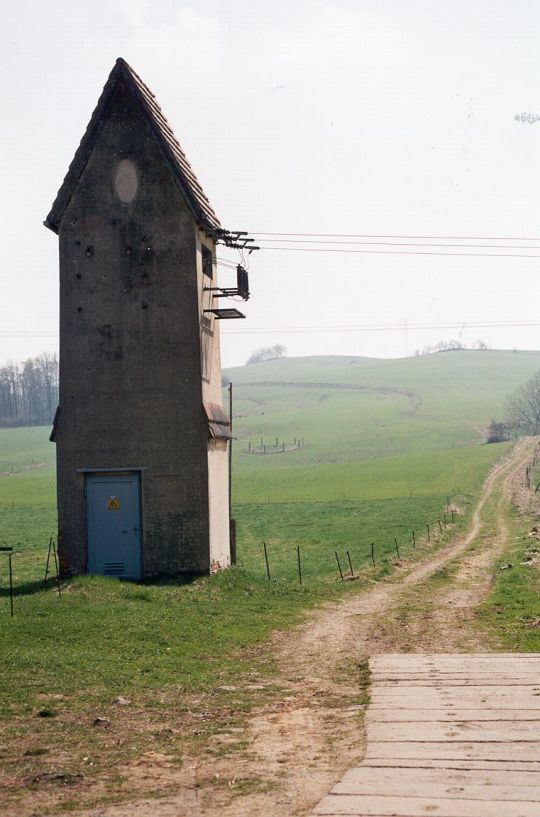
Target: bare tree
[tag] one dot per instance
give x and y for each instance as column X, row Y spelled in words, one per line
column 523, row 407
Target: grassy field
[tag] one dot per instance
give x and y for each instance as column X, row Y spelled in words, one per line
column 385, row 443
column 386, row 446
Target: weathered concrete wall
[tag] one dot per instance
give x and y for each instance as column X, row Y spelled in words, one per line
column 130, row 371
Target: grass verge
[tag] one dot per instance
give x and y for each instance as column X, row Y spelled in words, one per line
column 511, row 612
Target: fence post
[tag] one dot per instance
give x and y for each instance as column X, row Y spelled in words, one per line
column 47, row 562
column 339, row 566
column 232, row 532
column 350, row 563
column 10, row 584
column 266, row 560
column 299, row 564
column 373, row 553
column 397, row 548
column 55, row 554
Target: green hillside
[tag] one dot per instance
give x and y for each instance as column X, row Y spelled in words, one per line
column 372, row 428
column 385, row 442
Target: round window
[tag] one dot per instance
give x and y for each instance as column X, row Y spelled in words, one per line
column 126, row 180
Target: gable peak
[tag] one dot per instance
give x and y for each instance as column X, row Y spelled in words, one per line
column 171, row 149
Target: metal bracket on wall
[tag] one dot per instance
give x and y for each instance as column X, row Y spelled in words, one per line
column 241, row 288
column 226, row 314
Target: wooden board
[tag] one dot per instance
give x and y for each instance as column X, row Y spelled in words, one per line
column 452, row 735
column 391, row 806
column 406, row 696
column 459, row 750
column 385, row 714
column 499, row 784
column 455, row 763
column 465, row 730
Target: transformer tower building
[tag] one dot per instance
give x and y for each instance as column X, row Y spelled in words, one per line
column 142, row 438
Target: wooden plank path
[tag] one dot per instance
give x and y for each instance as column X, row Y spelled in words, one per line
column 447, row 735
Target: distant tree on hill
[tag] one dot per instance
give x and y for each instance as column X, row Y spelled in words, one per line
column 443, row 346
column 523, row 406
column 449, row 345
column 267, row 353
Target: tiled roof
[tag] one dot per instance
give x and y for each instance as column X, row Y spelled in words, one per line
column 189, row 184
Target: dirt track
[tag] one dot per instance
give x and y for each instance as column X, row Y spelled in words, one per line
column 296, row 749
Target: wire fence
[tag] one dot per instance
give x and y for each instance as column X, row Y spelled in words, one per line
column 374, row 553
column 341, row 562
column 274, row 446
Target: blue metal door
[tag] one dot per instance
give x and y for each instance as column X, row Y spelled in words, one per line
column 113, row 518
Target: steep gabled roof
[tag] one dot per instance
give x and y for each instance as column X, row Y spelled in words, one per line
column 201, row 208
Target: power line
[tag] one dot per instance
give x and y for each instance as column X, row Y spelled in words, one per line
column 406, row 237
column 372, row 327
column 400, row 244
column 401, row 252
column 27, row 333
column 393, row 327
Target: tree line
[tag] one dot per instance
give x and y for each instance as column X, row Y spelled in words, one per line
column 29, row 391
column 451, row 345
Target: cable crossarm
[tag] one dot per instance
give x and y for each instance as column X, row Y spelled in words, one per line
column 236, row 239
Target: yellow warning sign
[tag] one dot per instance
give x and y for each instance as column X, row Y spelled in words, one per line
column 113, row 504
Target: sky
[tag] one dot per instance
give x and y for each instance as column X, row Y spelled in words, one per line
column 367, row 119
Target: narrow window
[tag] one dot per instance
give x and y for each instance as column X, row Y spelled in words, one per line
column 207, row 265
column 207, row 348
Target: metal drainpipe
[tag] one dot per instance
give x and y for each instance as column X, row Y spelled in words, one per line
column 232, row 527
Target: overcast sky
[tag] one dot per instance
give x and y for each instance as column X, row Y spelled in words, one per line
column 368, row 118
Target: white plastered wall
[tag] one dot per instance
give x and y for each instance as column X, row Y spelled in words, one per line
column 218, row 454
column 218, row 479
